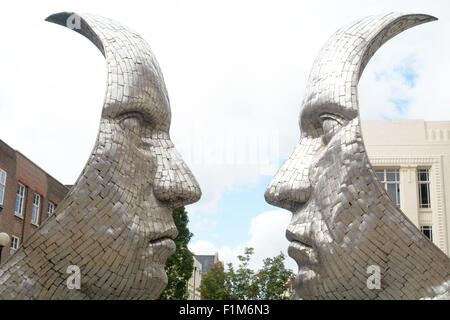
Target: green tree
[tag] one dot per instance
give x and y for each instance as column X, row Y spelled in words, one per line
column 180, row 265
column 213, row 285
column 241, row 282
column 273, row 279
column 269, row 283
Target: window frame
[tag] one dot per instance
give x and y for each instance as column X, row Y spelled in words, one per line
column 22, row 203
column 15, row 240
column 50, row 204
column 428, row 186
column 35, row 209
column 427, row 228
column 395, row 182
column 2, row 185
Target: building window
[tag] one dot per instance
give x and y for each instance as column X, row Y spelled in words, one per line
column 427, row 231
column 50, row 208
column 390, row 178
column 14, row 245
column 20, row 197
column 2, row 185
column 35, row 210
column 423, row 178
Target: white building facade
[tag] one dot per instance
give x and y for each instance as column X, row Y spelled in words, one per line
column 412, row 160
column 195, row 281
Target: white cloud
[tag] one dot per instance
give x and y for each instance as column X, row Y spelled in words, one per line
column 381, row 86
column 267, row 237
column 420, row 50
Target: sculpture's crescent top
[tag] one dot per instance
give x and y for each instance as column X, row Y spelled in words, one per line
column 135, row 81
column 337, row 69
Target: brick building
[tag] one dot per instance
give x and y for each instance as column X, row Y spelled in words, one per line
column 27, row 196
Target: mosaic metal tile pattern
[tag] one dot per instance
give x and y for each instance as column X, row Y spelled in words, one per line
column 343, row 220
column 116, row 223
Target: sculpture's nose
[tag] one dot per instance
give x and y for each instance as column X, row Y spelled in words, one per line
column 174, row 182
column 291, row 185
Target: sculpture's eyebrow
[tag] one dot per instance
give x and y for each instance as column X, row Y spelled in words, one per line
column 125, row 115
column 312, row 116
column 332, row 116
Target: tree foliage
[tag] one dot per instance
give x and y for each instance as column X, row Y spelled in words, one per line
column 180, row 265
column 273, row 279
column 213, row 285
column 271, row 282
column 241, row 282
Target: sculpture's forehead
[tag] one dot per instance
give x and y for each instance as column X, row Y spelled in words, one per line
column 334, row 77
column 135, row 81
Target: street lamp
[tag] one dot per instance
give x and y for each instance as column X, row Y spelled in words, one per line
column 4, row 241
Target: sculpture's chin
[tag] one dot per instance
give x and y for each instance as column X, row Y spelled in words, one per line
column 158, row 283
column 303, row 280
column 152, row 286
column 156, row 274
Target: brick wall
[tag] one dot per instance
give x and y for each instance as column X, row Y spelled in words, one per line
column 8, row 222
column 36, row 181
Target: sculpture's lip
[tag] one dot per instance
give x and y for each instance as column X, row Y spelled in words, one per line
column 167, row 235
column 302, row 253
column 161, row 239
column 161, row 249
column 302, row 243
column 302, row 239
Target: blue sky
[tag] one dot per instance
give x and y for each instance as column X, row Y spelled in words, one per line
column 229, row 225
column 234, row 70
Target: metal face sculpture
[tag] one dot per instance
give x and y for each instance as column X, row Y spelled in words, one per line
column 115, row 226
column 344, row 224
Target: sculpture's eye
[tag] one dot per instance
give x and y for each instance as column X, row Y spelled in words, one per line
column 330, row 125
column 131, row 122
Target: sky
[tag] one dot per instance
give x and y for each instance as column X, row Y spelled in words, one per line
column 235, row 72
